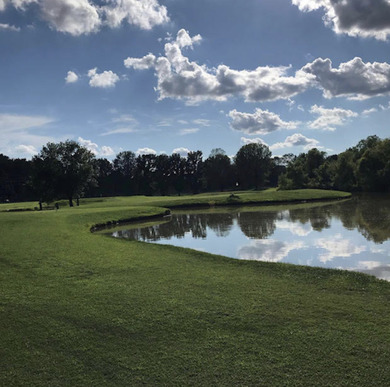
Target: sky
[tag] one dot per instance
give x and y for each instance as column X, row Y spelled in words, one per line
column 172, row 76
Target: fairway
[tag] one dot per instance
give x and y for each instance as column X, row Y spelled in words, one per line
column 79, row 308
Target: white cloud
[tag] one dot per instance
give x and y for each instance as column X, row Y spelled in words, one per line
column 106, row 79
column 181, row 151
column 95, row 148
column 147, row 62
column 367, row 112
column 118, row 131
column 366, row 18
column 75, row 17
column 12, row 122
column 124, row 118
column 145, row 151
column 268, row 250
column 9, row 27
column 78, row 17
column 201, row 122
column 71, row 77
column 183, row 132
column 296, row 139
column 246, row 141
column 91, row 146
column 183, row 39
column 144, row 14
column 329, row 118
column 336, row 246
column 106, row 151
column 354, row 79
column 26, row 149
column 19, row 134
column 260, row 122
column 297, row 229
column 178, row 77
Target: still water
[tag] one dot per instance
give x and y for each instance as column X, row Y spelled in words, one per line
column 351, row 234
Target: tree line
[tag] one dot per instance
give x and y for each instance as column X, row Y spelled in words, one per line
column 67, row 170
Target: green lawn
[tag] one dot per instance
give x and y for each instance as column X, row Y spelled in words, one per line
column 82, row 309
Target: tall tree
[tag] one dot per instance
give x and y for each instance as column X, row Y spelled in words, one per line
column 194, row 169
column 218, row 170
column 252, row 163
column 67, row 169
column 125, row 166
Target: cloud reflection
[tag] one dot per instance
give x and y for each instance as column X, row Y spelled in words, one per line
column 336, row 246
column 269, row 250
column 295, row 228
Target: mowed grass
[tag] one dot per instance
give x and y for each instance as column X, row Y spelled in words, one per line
column 79, row 308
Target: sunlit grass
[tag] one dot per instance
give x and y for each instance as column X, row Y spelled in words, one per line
column 78, row 308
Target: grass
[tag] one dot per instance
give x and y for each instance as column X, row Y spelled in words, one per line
column 78, row 308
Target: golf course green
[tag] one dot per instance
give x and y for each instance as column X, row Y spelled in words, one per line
column 81, row 309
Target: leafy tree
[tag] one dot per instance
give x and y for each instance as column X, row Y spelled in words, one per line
column 124, row 171
column 145, row 172
column 177, row 172
column 194, row 167
column 218, row 170
column 374, row 167
column 64, row 169
column 345, row 172
column 162, row 174
column 253, row 162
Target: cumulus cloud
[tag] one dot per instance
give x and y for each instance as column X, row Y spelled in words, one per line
column 106, row 151
column 71, row 77
column 144, row 63
column 259, row 122
column 181, row 151
column 329, row 118
column 106, row 79
column 180, row 78
column 78, row 17
column 95, row 149
column 296, row 139
column 354, row 79
column 184, row 39
column 368, row 18
column 75, row 17
column 246, row 141
column 144, row 14
column 145, row 151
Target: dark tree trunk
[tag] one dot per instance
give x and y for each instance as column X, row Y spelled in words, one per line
column 70, row 202
column 40, row 205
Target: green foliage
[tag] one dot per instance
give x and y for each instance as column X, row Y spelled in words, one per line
column 365, row 167
column 63, row 169
column 252, row 162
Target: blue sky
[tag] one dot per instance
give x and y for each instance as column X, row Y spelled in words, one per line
column 176, row 75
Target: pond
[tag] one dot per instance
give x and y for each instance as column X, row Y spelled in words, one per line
column 352, row 234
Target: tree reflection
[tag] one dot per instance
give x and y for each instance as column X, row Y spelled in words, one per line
column 257, row 225
column 370, row 215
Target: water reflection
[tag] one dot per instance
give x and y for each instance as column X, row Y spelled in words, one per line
column 351, row 235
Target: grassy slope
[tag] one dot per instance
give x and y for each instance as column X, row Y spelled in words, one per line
column 81, row 309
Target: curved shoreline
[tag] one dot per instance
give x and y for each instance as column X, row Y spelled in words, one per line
column 168, row 208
